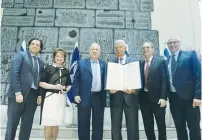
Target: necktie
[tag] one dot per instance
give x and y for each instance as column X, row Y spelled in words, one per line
column 146, row 72
column 121, row 60
column 35, row 70
column 94, row 61
column 173, row 64
column 94, row 72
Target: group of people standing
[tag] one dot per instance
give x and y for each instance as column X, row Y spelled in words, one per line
column 177, row 79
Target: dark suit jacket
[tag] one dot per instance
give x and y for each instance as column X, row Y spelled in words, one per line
column 157, row 80
column 187, row 76
column 21, row 74
column 83, row 81
column 117, row 98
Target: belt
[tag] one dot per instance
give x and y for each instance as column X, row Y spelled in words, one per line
column 94, row 92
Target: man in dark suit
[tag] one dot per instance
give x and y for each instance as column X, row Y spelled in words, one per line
column 152, row 97
column 185, row 90
column 89, row 94
column 126, row 101
column 23, row 94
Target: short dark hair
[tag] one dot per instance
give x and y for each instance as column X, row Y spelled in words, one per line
column 41, row 43
column 57, row 50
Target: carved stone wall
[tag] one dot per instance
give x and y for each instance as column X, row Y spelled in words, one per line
column 62, row 23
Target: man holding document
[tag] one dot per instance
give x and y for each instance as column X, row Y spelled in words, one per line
column 123, row 78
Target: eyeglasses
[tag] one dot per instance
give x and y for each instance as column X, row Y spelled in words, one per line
column 172, row 42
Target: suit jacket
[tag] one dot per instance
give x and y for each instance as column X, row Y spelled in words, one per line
column 21, row 74
column 83, row 81
column 117, row 98
column 157, row 80
column 187, row 76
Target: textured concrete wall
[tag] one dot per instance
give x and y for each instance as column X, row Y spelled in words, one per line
column 63, row 23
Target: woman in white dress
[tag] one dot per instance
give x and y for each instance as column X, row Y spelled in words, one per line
column 55, row 81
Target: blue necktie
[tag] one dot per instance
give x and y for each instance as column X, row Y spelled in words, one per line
column 173, row 64
column 94, row 72
column 35, row 70
column 94, row 61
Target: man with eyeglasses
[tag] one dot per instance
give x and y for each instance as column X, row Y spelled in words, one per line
column 185, row 90
column 153, row 95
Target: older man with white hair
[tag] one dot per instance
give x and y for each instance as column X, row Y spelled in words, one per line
column 126, row 101
column 89, row 94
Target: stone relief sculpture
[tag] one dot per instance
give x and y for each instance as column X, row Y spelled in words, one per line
column 62, row 23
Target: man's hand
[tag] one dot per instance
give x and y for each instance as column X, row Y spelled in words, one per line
column 129, row 91
column 39, row 99
column 196, row 102
column 19, row 98
column 77, row 99
column 162, row 102
column 112, row 91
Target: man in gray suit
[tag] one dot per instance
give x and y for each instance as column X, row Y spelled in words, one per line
column 126, row 101
column 23, row 94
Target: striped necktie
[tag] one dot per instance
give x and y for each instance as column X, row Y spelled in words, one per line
column 36, row 73
column 146, row 72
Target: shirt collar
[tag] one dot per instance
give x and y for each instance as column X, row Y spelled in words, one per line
column 123, row 58
column 54, row 65
column 33, row 55
column 93, row 61
column 150, row 59
column 176, row 53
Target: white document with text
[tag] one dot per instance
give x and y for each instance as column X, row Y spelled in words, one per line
column 121, row 77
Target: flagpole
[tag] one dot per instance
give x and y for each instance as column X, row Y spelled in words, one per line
column 73, row 105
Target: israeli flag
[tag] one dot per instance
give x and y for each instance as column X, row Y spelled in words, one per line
column 73, row 67
column 127, row 51
column 166, row 53
column 23, row 46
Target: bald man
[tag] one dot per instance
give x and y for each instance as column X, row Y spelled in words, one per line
column 185, row 90
column 89, row 94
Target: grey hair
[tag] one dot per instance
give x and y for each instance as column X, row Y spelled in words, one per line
column 174, row 37
column 149, row 42
column 120, row 42
column 93, row 45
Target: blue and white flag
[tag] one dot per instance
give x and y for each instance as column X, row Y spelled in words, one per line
column 127, row 51
column 166, row 53
column 23, row 46
column 73, row 67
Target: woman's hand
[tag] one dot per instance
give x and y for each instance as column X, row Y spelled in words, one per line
column 39, row 99
column 68, row 88
column 58, row 87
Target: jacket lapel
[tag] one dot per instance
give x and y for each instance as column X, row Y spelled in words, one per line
column 41, row 66
column 89, row 66
column 30, row 59
column 151, row 65
column 101, row 67
column 127, row 60
column 178, row 61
